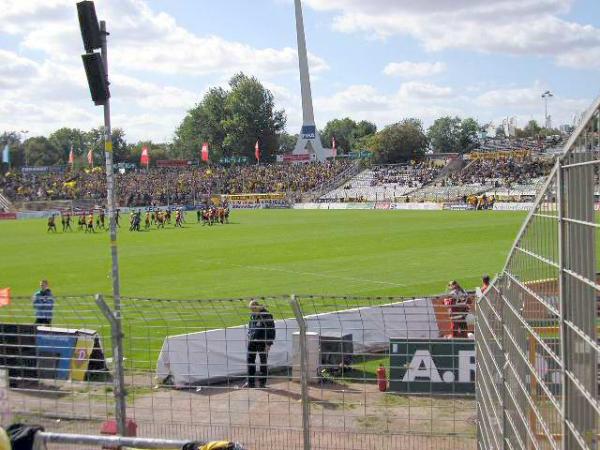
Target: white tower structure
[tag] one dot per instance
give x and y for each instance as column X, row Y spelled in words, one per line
column 309, row 141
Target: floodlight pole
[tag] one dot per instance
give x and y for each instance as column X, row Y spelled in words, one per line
column 120, row 406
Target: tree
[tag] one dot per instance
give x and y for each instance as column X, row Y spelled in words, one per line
column 16, row 147
column 401, row 142
column 203, row 123
column 157, row 152
column 445, row 134
column 231, row 121
column 95, row 141
column 287, row 143
column 347, row 133
column 343, row 130
column 364, row 128
column 469, row 135
column 250, row 115
column 64, row 138
column 41, row 152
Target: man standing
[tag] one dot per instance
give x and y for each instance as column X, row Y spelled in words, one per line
column 261, row 334
column 43, row 304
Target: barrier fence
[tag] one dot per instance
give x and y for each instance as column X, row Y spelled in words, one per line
column 537, row 348
column 186, row 363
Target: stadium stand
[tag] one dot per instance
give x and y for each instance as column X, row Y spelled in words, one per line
column 162, row 186
column 384, row 183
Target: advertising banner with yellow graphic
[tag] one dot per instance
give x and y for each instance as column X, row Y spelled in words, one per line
column 81, row 357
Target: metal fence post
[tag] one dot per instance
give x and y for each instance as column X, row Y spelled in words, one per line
column 119, row 371
column 303, row 372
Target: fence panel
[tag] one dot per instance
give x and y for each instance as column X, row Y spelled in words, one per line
column 186, row 366
column 60, row 376
column 537, row 324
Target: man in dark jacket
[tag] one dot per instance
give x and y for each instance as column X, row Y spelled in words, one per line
column 261, row 334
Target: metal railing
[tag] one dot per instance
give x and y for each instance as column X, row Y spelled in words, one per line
column 537, row 327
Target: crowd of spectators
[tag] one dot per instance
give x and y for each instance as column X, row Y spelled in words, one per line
column 410, row 175
column 501, row 172
column 162, row 186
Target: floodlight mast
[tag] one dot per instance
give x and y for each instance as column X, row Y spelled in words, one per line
column 121, row 413
column 94, row 37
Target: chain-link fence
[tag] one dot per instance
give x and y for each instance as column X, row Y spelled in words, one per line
column 537, row 349
column 341, row 373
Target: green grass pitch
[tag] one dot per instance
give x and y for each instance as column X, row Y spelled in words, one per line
column 261, row 253
column 266, row 252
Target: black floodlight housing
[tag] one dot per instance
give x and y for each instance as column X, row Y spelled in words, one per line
column 96, row 76
column 90, row 28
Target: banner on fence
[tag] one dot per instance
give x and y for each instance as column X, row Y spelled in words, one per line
column 458, row 207
column 428, row 206
column 8, row 216
column 501, row 206
column 445, row 366
column 383, row 205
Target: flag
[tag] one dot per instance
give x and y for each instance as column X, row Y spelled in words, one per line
column 145, row 159
column 205, row 152
column 334, row 146
column 6, row 155
column 4, row 297
column 71, row 156
column 257, row 151
column 90, row 157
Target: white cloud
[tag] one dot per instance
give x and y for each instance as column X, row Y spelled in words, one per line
column 409, row 69
column 522, row 27
column 142, row 40
column 418, row 90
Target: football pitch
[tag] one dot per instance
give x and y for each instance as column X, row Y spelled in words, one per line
column 267, row 252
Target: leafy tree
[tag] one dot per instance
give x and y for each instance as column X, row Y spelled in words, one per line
column 203, row 123
column 287, row 143
column 251, row 116
column 157, row 152
column 347, row 133
column 469, row 130
column 41, row 152
column 445, row 134
column 364, row 128
column 95, row 141
column 343, row 130
column 400, row 142
column 64, row 138
column 16, row 147
column 231, row 121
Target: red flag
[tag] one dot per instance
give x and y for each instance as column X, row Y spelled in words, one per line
column 334, row 146
column 90, row 158
column 145, row 159
column 71, row 156
column 257, row 151
column 205, row 152
column 4, row 297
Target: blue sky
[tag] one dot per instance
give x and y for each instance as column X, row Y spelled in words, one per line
column 381, row 60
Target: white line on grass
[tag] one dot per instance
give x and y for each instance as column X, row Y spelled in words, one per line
column 322, row 275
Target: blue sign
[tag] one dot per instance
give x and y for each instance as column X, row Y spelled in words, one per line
column 54, row 353
column 309, row 132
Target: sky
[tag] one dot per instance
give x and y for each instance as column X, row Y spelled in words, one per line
column 377, row 60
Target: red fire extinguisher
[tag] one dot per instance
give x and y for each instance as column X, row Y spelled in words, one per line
column 382, row 378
